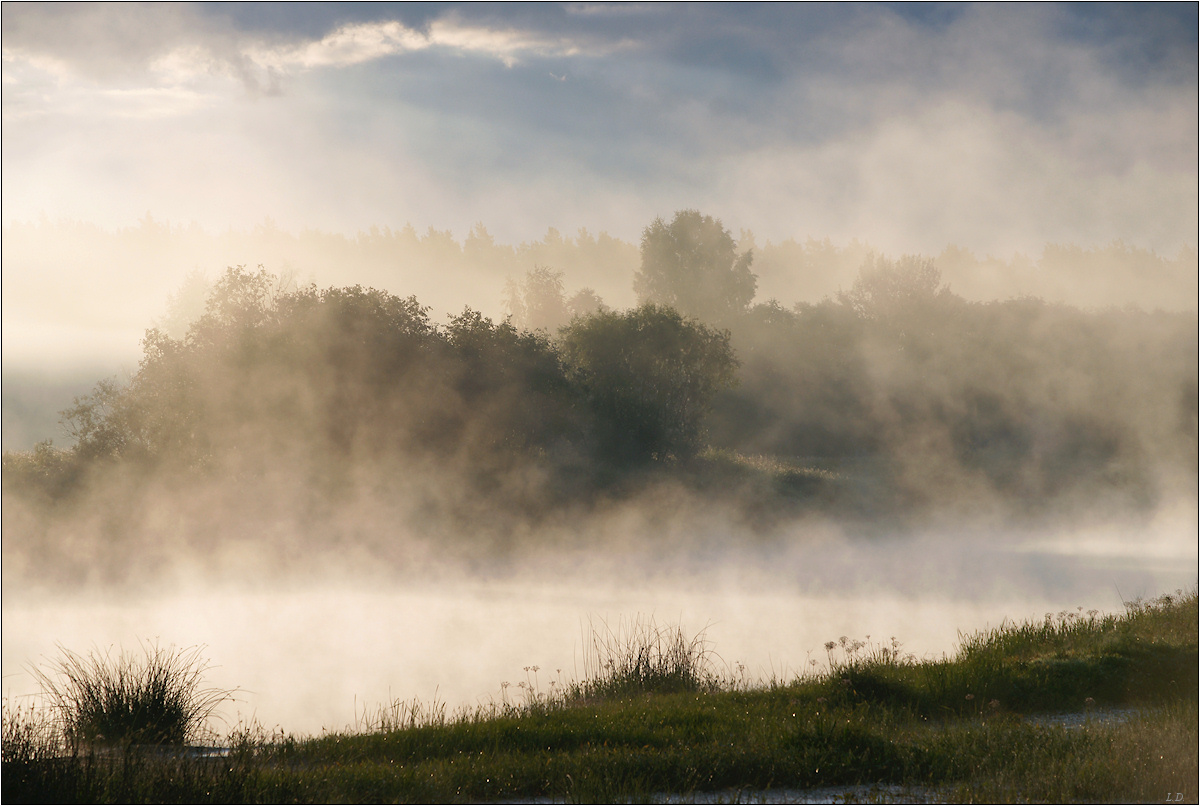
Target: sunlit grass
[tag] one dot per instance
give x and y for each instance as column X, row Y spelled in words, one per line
column 654, row 716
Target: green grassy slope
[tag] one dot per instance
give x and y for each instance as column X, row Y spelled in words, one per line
column 959, row 728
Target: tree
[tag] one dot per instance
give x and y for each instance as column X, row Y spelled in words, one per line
column 692, row 265
column 649, row 376
column 585, row 302
column 886, row 289
column 539, row 301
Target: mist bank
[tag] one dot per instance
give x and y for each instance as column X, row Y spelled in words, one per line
column 74, row 290
column 290, row 426
column 311, row 651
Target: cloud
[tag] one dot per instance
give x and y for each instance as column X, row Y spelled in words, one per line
column 985, row 124
column 173, row 46
column 350, row 44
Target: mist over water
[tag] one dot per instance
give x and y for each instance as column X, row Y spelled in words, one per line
column 349, row 505
column 271, row 489
column 307, row 653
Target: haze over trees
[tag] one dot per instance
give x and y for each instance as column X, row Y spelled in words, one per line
column 893, row 399
column 129, row 273
column 692, row 265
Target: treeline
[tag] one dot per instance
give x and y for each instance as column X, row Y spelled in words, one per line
column 1021, row 405
column 140, row 265
column 332, row 385
column 1017, row 403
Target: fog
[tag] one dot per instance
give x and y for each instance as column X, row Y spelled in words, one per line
column 386, row 351
column 80, row 296
column 307, row 654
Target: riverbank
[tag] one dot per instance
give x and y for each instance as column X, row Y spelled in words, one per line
column 653, row 716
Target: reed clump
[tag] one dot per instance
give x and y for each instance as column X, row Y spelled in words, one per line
column 639, row 657
column 158, row 698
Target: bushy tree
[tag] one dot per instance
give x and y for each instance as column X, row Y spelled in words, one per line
column 649, row 376
column 692, row 265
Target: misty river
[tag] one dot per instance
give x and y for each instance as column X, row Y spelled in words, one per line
column 317, row 654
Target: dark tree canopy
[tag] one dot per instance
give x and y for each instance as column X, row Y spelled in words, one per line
column 326, row 378
column 692, row 265
column 650, row 375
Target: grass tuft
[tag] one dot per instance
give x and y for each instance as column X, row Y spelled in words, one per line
column 157, row 699
column 639, row 657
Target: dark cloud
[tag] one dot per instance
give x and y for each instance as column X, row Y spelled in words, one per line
column 315, row 20
column 1141, row 41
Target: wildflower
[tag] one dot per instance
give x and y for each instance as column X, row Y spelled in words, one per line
column 830, row 646
column 970, row 696
column 1090, row 701
column 994, row 704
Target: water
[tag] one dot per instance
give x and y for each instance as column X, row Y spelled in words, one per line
column 314, row 655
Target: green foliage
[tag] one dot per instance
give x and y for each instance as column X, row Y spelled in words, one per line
column 156, row 700
column 913, row 396
column 342, row 382
column 512, row 386
column 1069, row 661
column 649, row 375
column 692, row 265
column 931, row 400
column 44, row 475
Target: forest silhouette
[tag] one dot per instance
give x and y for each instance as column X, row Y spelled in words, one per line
column 894, row 399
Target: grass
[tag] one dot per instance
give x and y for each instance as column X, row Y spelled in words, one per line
column 639, row 657
column 652, row 716
column 157, row 699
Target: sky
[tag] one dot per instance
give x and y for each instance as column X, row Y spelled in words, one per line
column 995, row 127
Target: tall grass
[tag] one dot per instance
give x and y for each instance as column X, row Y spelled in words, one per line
column 639, row 657
column 157, row 699
column 30, row 734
